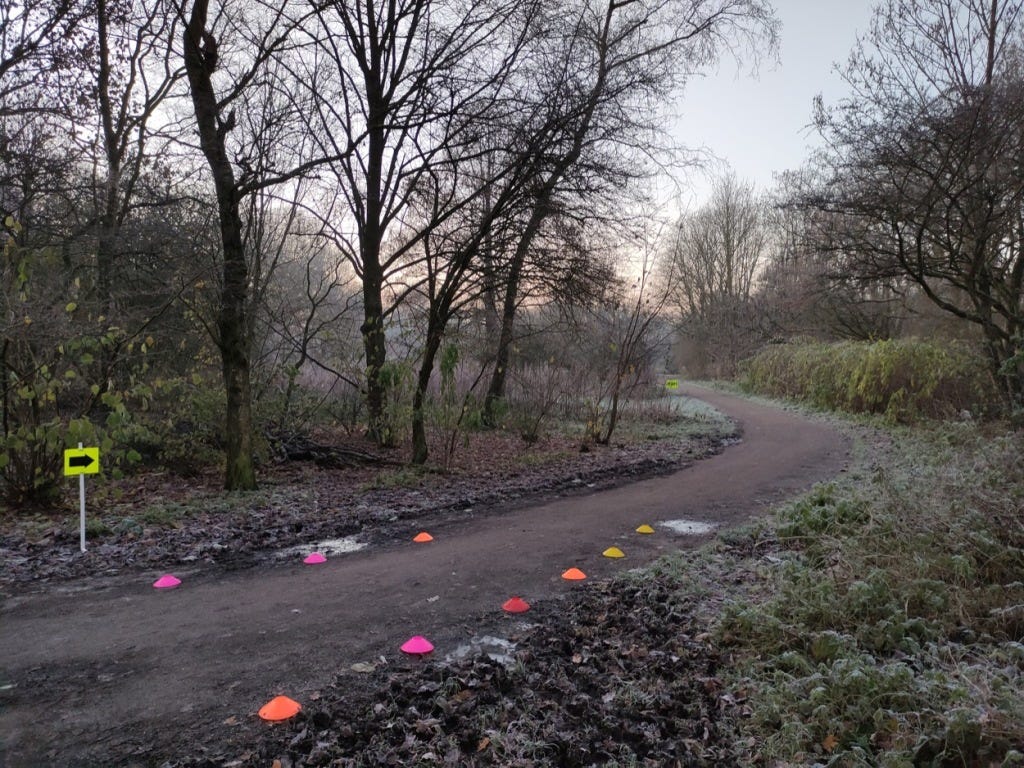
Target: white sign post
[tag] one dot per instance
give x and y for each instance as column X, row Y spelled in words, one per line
column 81, row 508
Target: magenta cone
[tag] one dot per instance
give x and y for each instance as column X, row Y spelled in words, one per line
column 167, row 581
column 417, row 645
column 314, row 559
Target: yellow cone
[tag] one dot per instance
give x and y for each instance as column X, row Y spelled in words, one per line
column 645, row 528
column 613, row 552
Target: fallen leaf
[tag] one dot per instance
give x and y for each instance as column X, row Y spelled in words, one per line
column 231, row 721
column 830, row 742
column 363, row 667
column 485, row 742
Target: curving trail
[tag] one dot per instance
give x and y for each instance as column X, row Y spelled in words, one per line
column 123, row 668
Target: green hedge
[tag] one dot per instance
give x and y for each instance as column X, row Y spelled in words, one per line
column 902, row 379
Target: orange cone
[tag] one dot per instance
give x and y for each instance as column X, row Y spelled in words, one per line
column 515, row 605
column 574, row 574
column 279, row 708
column 613, row 552
column 645, row 529
column 422, row 537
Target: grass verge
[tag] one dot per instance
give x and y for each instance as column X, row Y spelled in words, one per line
column 878, row 620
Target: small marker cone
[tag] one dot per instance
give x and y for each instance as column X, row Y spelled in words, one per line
column 574, row 574
column 167, row 581
column 417, row 646
column 613, row 552
column 279, row 708
column 515, row 605
column 645, row 528
column 422, row 537
column 314, row 559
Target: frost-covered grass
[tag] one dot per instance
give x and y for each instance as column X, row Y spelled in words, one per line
column 672, row 417
column 879, row 620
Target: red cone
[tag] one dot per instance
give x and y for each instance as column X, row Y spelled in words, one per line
column 516, row 605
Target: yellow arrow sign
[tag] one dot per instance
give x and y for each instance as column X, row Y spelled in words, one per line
column 81, row 461
column 672, row 384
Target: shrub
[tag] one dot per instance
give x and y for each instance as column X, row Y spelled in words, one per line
column 901, row 379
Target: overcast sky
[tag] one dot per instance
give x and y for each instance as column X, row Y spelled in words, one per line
column 758, row 124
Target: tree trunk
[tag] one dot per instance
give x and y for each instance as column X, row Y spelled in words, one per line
column 234, row 348
column 541, row 210
column 232, row 321
column 613, row 413
column 499, row 375
column 370, row 238
column 375, row 348
column 112, row 181
column 435, row 334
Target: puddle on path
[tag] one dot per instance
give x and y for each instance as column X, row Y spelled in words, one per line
column 495, row 648
column 327, row 547
column 689, row 527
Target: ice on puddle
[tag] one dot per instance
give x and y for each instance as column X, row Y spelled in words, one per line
column 495, row 648
column 327, row 547
column 689, row 527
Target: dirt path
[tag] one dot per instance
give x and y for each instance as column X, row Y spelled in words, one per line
column 101, row 671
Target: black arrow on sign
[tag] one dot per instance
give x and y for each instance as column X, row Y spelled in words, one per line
column 80, row 461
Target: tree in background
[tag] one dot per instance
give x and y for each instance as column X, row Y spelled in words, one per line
column 714, row 264
column 921, row 181
column 613, row 66
column 134, row 75
column 408, row 90
column 803, row 295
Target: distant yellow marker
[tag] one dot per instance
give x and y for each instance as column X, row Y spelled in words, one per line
column 613, row 552
column 672, row 384
column 645, row 528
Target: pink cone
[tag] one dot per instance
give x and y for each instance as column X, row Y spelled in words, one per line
column 314, row 559
column 417, row 646
column 167, row 581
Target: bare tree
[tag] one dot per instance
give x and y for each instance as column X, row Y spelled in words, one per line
column 306, row 304
column 131, row 82
column 36, row 43
column 801, row 295
column 921, row 181
column 261, row 97
column 410, row 80
column 715, row 260
column 35, row 40
column 612, row 65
